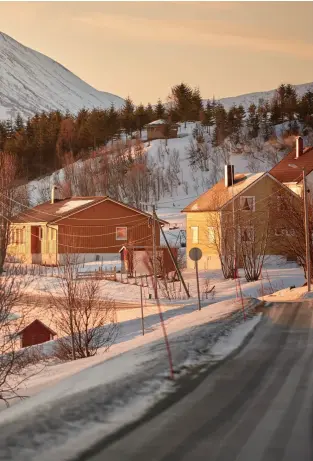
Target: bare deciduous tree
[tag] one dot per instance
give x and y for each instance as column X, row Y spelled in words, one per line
column 12, row 199
column 86, row 321
column 289, row 231
column 253, row 240
column 15, row 311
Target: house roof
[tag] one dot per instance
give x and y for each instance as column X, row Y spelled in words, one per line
column 53, row 212
column 36, row 321
column 216, row 197
column 161, row 121
column 285, row 173
column 157, row 122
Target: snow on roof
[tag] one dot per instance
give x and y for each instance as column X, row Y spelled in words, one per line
column 158, row 122
column 71, row 205
column 219, row 195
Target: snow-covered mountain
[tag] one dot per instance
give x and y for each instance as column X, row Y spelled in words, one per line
column 30, row 82
column 253, row 98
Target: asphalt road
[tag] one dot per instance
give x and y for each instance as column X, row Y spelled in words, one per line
column 256, row 406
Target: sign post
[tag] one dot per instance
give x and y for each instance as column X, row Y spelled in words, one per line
column 195, row 254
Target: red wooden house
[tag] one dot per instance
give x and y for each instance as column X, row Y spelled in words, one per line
column 93, row 227
column 35, row 333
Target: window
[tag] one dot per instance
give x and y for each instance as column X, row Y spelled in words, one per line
column 52, row 233
column 121, row 233
column 195, row 234
column 211, row 235
column 247, row 234
column 247, row 203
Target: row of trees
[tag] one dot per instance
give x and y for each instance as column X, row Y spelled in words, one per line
column 42, row 141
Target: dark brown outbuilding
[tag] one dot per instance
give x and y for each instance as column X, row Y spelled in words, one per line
column 35, row 333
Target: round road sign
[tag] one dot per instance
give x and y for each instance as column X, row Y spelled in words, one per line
column 195, row 254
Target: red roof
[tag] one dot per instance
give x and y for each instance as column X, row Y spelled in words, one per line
column 41, row 323
column 52, row 212
column 284, row 173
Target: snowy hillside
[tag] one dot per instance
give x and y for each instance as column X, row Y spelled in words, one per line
column 30, row 82
column 186, row 184
column 253, row 98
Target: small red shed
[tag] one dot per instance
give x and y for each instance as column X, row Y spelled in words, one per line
column 35, row 333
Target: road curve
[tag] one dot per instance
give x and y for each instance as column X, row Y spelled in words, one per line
column 256, row 406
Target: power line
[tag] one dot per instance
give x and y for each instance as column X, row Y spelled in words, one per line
column 59, row 216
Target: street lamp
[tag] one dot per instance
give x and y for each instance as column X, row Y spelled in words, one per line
column 306, row 225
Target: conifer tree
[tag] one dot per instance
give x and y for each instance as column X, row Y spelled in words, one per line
column 127, row 116
column 253, row 121
column 159, row 111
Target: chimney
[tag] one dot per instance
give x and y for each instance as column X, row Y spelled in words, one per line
column 229, row 175
column 53, row 194
column 299, row 146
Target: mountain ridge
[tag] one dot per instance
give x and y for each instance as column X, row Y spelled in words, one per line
column 32, row 82
column 24, row 74
column 253, row 98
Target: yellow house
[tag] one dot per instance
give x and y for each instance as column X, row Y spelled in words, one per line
column 244, row 205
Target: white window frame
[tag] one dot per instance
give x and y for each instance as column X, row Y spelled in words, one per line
column 247, row 197
column 119, row 238
column 211, row 234
column 193, row 239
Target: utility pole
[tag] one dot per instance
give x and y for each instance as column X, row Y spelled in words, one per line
column 234, row 223
column 154, row 258
column 198, row 288
column 308, row 237
column 307, row 231
column 173, row 259
column 142, row 318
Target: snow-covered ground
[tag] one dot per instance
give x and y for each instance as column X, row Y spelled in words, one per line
column 90, row 398
column 273, row 279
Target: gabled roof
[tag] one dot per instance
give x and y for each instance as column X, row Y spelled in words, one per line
column 36, row 321
column 161, row 121
column 53, row 212
column 216, row 197
column 285, row 173
column 157, row 122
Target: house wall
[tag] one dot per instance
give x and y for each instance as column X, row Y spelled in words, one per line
column 35, row 334
column 266, row 192
column 202, row 220
column 22, row 252
column 93, row 231
column 266, row 213
column 157, row 132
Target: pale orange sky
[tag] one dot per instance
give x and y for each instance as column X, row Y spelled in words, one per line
column 142, row 49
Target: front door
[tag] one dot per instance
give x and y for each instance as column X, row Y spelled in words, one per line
column 36, row 244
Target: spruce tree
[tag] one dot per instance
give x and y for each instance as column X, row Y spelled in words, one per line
column 19, row 123
column 159, row 111
column 253, row 121
column 127, row 116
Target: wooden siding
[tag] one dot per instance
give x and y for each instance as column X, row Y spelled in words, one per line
column 94, row 230
column 35, row 333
